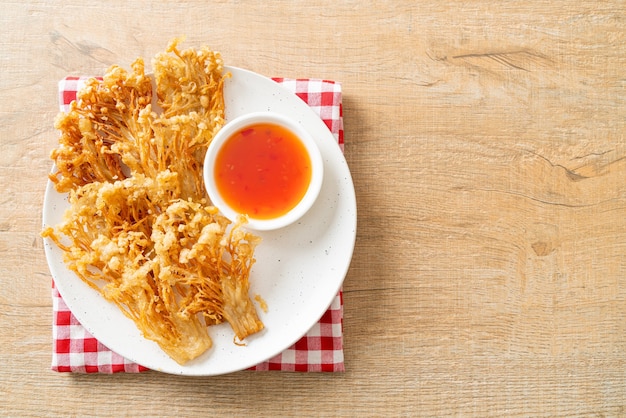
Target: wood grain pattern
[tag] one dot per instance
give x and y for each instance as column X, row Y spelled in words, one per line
column 487, row 145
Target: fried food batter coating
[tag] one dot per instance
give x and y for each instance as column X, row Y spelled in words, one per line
column 140, row 228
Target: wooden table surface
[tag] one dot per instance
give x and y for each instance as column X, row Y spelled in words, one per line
column 487, row 144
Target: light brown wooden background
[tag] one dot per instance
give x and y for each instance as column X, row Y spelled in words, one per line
column 487, row 144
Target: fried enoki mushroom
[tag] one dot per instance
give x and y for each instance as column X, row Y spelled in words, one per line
column 106, row 112
column 140, row 228
column 210, row 264
column 112, row 131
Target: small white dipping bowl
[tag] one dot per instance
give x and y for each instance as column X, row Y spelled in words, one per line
column 240, row 123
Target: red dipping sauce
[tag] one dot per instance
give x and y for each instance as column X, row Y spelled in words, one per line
column 263, row 171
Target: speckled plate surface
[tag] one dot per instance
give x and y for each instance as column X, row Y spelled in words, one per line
column 298, row 272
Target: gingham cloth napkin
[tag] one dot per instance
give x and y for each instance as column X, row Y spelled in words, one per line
column 320, row 350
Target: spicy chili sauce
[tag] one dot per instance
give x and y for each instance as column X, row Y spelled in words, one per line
column 263, row 171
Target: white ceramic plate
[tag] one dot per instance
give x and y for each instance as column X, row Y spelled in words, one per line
column 298, row 272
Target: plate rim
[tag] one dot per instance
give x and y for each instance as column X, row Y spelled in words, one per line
column 342, row 271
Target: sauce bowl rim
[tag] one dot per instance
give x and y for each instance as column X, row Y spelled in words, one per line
column 241, row 122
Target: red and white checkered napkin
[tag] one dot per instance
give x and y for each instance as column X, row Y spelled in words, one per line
column 320, row 350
